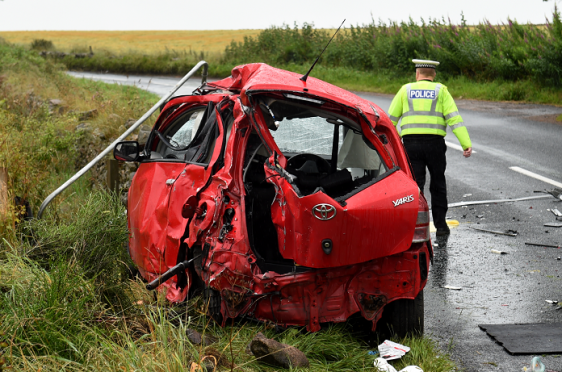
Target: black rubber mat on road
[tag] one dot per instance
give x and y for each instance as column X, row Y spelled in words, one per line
column 527, row 338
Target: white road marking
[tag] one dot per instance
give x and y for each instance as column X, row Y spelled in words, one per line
column 456, row 147
column 536, row 176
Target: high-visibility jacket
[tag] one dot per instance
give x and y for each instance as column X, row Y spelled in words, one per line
column 426, row 107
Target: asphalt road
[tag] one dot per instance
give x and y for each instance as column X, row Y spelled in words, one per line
column 496, row 289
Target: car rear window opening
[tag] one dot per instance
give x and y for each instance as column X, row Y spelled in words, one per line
column 326, row 151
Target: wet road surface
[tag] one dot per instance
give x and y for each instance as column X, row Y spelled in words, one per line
column 496, row 289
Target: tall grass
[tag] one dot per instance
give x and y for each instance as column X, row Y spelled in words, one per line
column 92, row 237
column 39, row 146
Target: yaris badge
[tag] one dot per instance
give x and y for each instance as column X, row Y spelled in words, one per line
column 406, row 199
column 324, row 212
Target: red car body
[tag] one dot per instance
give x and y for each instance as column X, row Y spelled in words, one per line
column 312, row 231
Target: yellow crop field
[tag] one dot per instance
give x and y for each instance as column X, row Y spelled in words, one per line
column 210, row 41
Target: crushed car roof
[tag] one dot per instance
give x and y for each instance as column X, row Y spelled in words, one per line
column 262, row 77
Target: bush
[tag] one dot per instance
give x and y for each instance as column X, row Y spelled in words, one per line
column 42, row 44
column 484, row 52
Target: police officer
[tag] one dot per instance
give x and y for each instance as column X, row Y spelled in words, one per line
column 427, row 109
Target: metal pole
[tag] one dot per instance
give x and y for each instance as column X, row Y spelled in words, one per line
column 81, row 172
column 4, row 199
column 112, row 174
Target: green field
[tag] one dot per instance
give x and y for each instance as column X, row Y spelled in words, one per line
column 149, row 42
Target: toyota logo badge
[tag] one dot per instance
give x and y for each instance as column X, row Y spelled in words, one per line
column 324, row 212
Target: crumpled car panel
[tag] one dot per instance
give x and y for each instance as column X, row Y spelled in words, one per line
column 372, row 261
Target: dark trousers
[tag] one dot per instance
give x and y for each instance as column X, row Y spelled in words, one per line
column 428, row 151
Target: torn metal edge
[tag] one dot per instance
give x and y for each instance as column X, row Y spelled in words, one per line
column 495, row 232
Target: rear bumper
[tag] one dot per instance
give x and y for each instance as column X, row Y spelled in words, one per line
column 333, row 295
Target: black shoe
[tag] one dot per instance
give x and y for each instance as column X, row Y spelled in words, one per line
column 443, row 231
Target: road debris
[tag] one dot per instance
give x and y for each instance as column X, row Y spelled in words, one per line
column 543, row 245
column 382, row 365
column 452, row 287
column 476, row 202
column 534, row 338
column 552, row 302
column 557, row 193
column 466, row 195
column 537, row 366
column 553, row 224
column 391, row 350
column 506, row 233
column 498, row 252
column 555, row 212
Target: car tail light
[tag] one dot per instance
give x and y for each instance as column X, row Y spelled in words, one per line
column 421, row 233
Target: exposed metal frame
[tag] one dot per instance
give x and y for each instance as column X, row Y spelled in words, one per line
column 86, row 168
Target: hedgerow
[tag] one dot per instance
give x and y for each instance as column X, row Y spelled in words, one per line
column 509, row 51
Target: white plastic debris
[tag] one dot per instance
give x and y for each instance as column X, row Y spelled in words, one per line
column 498, row 252
column 466, row 195
column 391, row 350
column 452, row 287
column 537, row 365
column 383, row 365
column 552, row 302
column 555, row 212
column 411, row 369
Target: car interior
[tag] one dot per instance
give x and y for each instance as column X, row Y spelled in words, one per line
column 325, row 152
column 191, row 136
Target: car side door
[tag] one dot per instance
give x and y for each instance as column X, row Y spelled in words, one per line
column 179, row 162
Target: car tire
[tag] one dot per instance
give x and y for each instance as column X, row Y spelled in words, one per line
column 402, row 317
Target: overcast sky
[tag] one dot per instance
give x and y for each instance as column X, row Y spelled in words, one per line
column 18, row 15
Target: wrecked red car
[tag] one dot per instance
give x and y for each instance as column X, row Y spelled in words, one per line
column 284, row 200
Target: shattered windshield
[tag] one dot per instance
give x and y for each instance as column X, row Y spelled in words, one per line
column 301, row 135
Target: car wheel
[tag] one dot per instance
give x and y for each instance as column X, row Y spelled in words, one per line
column 403, row 317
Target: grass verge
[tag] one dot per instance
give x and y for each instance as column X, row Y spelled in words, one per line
column 40, row 146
